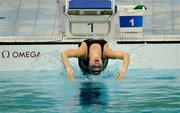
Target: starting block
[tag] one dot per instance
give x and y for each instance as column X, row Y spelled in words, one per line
column 89, row 17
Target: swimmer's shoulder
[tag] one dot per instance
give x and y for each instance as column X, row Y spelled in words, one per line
column 107, row 51
column 83, row 45
column 83, row 48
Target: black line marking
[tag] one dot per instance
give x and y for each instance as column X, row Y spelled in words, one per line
column 78, row 43
column 148, row 42
column 39, row 43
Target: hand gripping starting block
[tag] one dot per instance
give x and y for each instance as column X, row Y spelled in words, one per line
column 89, row 17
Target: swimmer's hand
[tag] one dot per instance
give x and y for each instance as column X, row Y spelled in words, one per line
column 70, row 73
column 121, row 75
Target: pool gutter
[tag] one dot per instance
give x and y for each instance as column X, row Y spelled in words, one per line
column 122, row 39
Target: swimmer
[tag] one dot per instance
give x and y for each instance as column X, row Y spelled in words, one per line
column 93, row 55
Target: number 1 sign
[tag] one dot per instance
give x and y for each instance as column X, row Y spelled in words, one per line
column 90, row 28
column 131, row 21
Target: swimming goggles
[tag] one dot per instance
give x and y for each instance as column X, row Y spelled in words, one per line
column 95, row 72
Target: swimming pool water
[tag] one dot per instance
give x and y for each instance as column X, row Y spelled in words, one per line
column 143, row 91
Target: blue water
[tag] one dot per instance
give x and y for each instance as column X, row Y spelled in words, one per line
column 143, row 91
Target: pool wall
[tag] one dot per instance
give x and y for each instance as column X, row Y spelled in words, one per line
column 46, row 57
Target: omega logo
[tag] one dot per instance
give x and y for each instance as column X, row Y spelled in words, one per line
column 5, row 54
column 20, row 54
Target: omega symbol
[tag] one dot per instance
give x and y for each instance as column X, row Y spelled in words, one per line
column 5, row 54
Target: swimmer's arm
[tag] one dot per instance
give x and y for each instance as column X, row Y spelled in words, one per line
column 69, row 53
column 64, row 57
column 109, row 53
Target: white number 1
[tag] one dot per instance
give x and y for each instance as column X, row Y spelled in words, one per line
column 132, row 22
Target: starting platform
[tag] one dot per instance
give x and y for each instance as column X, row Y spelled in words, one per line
column 89, row 17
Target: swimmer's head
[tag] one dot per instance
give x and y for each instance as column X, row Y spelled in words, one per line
column 95, row 65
